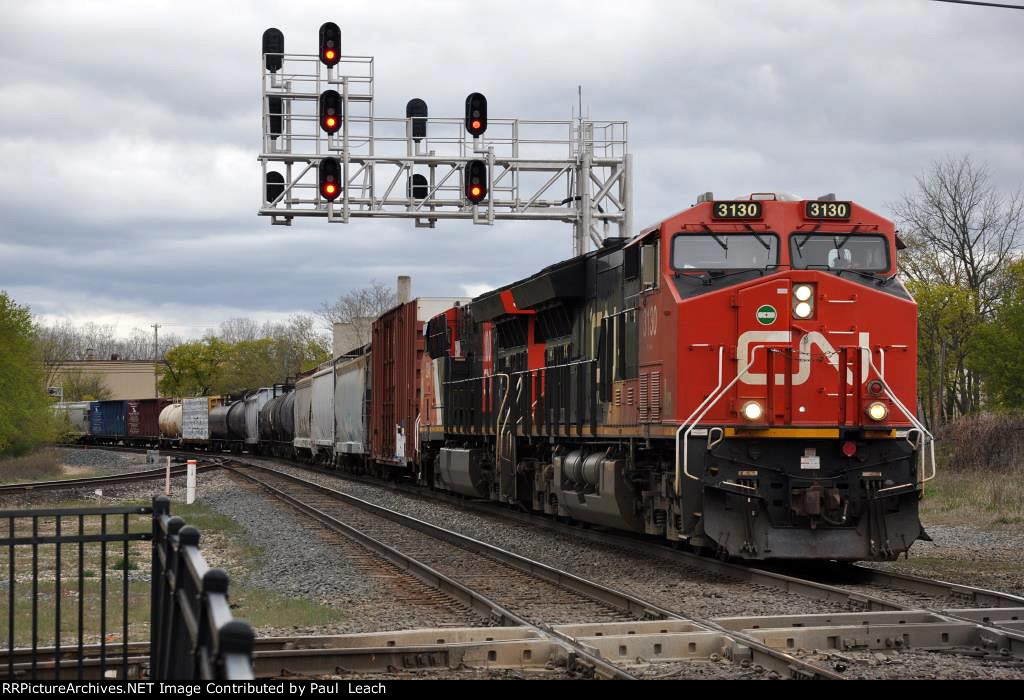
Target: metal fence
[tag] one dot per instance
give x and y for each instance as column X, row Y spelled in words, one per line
column 193, row 634
column 76, row 587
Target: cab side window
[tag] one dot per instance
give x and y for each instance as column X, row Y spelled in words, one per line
column 649, row 265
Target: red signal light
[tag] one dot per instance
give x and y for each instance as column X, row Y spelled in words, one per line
column 329, row 178
column 477, row 124
column 331, row 122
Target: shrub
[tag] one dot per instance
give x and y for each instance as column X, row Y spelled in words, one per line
column 987, row 442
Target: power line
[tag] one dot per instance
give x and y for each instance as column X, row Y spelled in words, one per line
column 1002, row 5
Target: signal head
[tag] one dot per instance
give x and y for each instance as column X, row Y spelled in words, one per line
column 329, row 176
column 330, row 44
column 273, row 49
column 476, row 181
column 330, row 111
column 417, row 111
column 476, row 114
column 274, row 186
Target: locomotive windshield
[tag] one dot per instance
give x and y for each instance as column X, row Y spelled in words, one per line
column 840, row 252
column 722, row 251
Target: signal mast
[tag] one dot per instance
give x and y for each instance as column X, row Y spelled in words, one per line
column 325, row 153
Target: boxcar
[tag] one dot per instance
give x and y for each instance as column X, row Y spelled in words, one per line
column 195, row 419
column 142, row 419
column 107, row 420
column 398, row 346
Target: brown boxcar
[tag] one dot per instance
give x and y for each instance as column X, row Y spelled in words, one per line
column 398, row 346
column 142, row 418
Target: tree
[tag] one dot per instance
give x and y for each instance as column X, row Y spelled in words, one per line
column 997, row 351
column 960, row 231
column 195, row 369
column 79, row 386
column 961, row 235
column 947, row 324
column 360, row 308
column 236, row 330
column 215, row 367
column 26, row 419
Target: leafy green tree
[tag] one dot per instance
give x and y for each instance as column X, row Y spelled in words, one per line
column 948, row 321
column 252, row 364
column 79, row 386
column 26, row 419
column 997, row 349
column 195, row 369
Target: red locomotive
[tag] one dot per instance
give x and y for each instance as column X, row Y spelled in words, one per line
column 741, row 377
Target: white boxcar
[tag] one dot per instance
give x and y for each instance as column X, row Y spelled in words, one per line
column 303, row 410
column 195, row 419
column 350, row 406
column 254, row 402
column 322, row 422
column 77, row 414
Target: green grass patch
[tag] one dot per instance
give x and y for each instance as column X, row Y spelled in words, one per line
column 980, row 498
column 93, row 612
column 266, row 609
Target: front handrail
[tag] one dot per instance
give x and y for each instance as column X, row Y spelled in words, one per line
column 683, row 466
column 927, row 439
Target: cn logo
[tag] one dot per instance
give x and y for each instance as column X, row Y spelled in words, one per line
column 808, row 344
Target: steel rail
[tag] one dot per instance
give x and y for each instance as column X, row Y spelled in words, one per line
column 1010, row 635
column 58, row 485
column 916, row 584
column 785, row 581
column 433, row 578
column 763, row 654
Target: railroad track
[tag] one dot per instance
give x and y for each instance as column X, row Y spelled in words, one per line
column 583, row 615
column 147, row 475
column 987, row 619
column 901, row 611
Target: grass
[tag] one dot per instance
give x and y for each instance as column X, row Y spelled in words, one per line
column 224, row 544
column 980, row 498
column 46, row 613
column 42, row 465
column 266, row 609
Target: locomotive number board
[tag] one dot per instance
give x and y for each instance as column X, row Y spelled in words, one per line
column 828, row 211
column 738, row 210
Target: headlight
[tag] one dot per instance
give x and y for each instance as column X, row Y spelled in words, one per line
column 804, row 292
column 803, row 310
column 753, row 411
column 878, row 412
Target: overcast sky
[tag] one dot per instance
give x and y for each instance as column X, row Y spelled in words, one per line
column 129, row 131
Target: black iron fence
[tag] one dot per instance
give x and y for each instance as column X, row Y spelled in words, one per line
column 79, row 597
column 193, row 634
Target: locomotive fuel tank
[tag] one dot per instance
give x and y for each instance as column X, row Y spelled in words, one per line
column 595, row 488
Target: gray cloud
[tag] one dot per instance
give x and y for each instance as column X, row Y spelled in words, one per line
column 130, row 131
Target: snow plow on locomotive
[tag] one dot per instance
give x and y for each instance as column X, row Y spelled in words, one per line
column 741, row 377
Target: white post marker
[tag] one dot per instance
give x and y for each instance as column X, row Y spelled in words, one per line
column 190, row 483
column 167, row 480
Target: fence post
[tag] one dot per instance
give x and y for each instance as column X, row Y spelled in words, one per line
column 161, row 509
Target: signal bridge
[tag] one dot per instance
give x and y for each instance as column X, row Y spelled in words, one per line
column 326, row 153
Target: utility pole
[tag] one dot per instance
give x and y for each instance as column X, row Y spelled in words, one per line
column 156, row 358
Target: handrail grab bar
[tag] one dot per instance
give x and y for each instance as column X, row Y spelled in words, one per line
column 927, row 439
column 683, row 467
